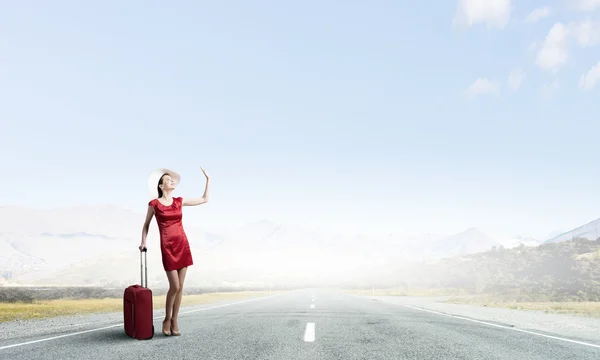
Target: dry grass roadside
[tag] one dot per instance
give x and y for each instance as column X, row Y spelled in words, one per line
column 402, row 292
column 63, row 307
column 579, row 308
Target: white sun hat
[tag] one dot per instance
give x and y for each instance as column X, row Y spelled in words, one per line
column 155, row 177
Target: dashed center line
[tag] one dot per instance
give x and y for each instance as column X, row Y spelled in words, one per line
column 312, row 306
column 309, row 333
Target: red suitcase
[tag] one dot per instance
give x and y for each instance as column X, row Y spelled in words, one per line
column 137, row 306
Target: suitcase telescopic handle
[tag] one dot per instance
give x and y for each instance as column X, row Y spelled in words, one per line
column 144, row 267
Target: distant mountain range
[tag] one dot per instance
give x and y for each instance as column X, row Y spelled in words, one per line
column 590, row 231
column 97, row 245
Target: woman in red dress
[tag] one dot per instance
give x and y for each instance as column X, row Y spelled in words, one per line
column 174, row 245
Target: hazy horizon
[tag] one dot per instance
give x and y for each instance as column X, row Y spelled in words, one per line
column 228, row 227
column 55, row 248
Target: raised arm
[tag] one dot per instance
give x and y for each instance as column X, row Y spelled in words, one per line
column 203, row 199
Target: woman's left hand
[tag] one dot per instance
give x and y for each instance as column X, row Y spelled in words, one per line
column 205, row 174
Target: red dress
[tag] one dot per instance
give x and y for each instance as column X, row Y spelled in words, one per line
column 174, row 245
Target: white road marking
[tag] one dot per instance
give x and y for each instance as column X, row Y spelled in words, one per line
column 312, row 306
column 309, row 333
column 121, row 324
column 58, row 337
column 506, row 327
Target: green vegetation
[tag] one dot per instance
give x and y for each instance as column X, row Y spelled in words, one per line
column 562, row 272
column 561, row 278
column 567, row 271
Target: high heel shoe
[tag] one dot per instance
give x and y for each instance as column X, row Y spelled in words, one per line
column 165, row 333
column 173, row 332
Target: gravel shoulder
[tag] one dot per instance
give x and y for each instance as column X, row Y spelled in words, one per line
column 574, row 327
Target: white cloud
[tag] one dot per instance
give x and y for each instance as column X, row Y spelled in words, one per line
column 538, row 14
column 533, row 47
column 549, row 89
column 584, row 5
column 553, row 53
column 482, row 86
column 586, row 32
column 515, row 78
column 493, row 13
column 588, row 80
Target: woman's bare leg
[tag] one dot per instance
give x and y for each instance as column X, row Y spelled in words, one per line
column 177, row 302
column 174, row 287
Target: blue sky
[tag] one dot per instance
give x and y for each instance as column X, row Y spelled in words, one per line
column 349, row 116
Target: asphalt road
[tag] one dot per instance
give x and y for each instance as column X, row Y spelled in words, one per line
column 296, row 325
